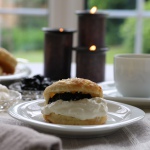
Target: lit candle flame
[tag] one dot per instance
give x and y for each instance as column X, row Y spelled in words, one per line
column 92, row 48
column 61, row 29
column 93, row 10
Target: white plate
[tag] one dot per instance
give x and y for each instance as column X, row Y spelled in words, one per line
column 22, row 70
column 119, row 115
column 111, row 93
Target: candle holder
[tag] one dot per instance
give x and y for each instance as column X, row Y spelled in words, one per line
column 91, row 28
column 90, row 64
column 57, row 53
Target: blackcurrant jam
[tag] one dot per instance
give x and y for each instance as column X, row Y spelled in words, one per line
column 67, row 96
column 35, row 83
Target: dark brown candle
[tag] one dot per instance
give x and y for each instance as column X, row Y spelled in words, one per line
column 57, row 53
column 91, row 29
column 91, row 64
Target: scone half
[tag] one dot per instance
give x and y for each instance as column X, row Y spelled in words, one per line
column 73, row 85
column 67, row 120
column 7, row 61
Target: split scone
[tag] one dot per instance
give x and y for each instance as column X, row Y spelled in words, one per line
column 74, row 101
column 7, row 62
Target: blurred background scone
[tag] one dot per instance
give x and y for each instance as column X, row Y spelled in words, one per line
column 7, row 62
column 74, row 101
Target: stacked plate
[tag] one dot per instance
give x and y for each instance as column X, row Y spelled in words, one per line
column 111, row 93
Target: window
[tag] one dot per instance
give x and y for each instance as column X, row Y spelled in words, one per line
column 21, row 25
column 136, row 11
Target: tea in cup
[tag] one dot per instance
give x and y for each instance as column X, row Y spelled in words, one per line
column 132, row 74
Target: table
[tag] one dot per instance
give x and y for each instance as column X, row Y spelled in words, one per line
column 132, row 137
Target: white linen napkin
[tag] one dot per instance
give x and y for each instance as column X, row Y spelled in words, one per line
column 13, row 137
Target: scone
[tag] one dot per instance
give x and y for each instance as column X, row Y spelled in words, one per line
column 74, row 101
column 7, row 61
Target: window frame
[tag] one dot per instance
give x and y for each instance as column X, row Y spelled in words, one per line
column 139, row 13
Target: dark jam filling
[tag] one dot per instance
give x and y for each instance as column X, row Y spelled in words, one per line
column 67, row 96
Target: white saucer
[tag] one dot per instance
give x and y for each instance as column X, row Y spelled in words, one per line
column 119, row 115
column 111, row 93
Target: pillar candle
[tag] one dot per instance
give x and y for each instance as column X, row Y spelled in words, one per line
column 91, row 28
column 57, row 53
column 91, row 64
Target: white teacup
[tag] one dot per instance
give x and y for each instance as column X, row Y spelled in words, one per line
column 132, row 74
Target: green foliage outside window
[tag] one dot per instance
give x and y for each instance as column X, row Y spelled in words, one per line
column 127, row 31
column 113, row 25
column 27, row 33
column 18, row 39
